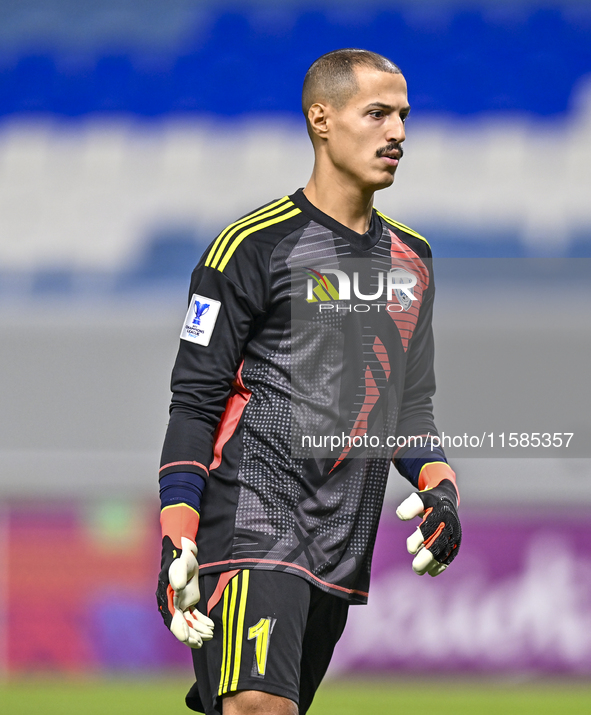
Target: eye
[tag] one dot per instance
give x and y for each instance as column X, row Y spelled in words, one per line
column 377, row 113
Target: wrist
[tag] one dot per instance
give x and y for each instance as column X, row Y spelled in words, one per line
column 179, row 522
column 180, row 500
column 433, row 473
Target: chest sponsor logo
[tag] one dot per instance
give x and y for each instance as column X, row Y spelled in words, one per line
column 200, row 319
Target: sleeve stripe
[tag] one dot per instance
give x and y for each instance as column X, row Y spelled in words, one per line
column 238, row 240
column 176, row 464
column 233, row 227
column 396, row 224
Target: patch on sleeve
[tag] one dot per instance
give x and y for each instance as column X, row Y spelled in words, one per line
column 200, row 319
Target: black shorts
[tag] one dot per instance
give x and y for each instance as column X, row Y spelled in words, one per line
column 274, row 632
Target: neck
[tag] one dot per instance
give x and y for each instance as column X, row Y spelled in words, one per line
column 340, row 199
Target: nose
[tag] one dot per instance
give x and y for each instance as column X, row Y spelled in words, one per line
column 395, row 130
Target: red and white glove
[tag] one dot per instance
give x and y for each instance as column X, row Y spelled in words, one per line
column 178, row 582
column 437, row 539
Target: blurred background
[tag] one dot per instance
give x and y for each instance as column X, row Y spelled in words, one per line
column 131, row 132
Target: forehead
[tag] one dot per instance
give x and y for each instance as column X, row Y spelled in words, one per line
column 376, row 86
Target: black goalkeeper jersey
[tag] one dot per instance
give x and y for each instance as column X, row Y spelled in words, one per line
column 306, row 352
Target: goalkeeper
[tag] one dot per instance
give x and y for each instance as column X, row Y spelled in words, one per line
column 308, row 316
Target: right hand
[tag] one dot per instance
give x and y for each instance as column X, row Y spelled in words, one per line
column 178, row 582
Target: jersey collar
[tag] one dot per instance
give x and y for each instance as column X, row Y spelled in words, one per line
column 359, row 241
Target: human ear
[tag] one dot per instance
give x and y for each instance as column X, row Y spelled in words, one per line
column 317, row 119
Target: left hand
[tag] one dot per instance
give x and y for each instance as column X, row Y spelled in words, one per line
column 437, row 539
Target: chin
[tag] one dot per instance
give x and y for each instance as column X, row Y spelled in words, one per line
column 384, row 182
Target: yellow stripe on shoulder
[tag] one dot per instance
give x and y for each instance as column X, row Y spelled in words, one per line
column 397, row 224
column 255, row 220
column 222, row 240
column 258, row 227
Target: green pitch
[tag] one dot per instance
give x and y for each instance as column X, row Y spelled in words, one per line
column 155, row 697
column 452, row 699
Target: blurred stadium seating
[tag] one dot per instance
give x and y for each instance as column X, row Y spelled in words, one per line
column 120, row 122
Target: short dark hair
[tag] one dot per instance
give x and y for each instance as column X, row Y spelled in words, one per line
column 332, row 77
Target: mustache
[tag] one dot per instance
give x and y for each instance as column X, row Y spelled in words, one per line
column 390, row 149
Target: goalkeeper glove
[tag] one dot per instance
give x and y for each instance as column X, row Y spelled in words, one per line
column 437, row 539
column 178, row 581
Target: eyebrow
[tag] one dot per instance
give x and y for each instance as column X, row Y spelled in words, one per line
column 382, row 105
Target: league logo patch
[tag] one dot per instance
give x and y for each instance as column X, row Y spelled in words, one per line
column 200, row 309
column 200, row 320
